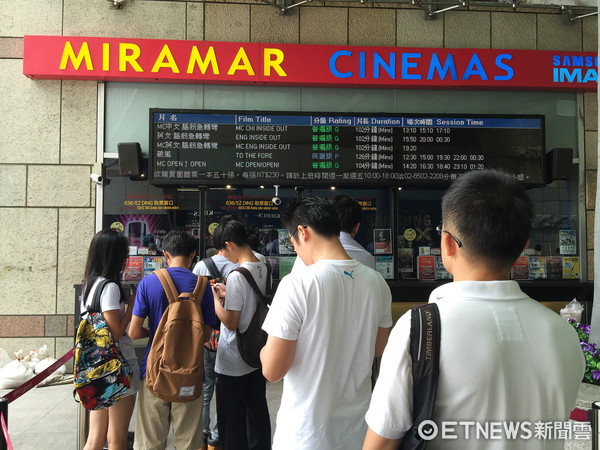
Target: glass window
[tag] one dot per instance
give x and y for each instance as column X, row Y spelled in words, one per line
column 145, row 214
column 419, row 212
column 263, row 218
column 412, row 214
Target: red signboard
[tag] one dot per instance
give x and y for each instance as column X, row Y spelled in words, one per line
column 170, row 61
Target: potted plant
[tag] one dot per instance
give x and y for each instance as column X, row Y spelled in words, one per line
column 591, row 353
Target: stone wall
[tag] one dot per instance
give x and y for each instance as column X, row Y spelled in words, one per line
column 48, row 137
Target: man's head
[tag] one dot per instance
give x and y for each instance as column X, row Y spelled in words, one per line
column 314, row 212
column 179, row 243
column 230, row 229
column 349, row 213
column 490, row 213
column 230, row 236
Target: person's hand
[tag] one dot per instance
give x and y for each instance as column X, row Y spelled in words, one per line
column 219, row 290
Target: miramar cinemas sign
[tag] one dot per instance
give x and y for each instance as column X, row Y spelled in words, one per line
column 172, row 61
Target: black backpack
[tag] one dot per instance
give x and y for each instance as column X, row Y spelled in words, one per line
column 425, row 355
column 215, row 274
column 213, row 343
column 251, row 341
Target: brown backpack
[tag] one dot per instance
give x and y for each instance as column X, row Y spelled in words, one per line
column 175, row 364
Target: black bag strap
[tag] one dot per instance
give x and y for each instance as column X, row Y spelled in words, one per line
column 212, row 268
column 94, row 306
column 425, row 334
column 248, row 276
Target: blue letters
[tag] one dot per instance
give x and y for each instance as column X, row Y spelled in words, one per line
column 333, row 60
column 406, row 65
column 390, row 69
column 556, row 60
column 435, row 65
column 361, row 65
column 475, row 63
column 509, row 70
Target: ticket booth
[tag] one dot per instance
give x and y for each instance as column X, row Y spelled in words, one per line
column 199, row 164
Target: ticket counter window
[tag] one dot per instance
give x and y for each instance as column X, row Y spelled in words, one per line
column 419, row 255
column 145, row 214
column 375, row 231
column 263, row 217
column 553, row 252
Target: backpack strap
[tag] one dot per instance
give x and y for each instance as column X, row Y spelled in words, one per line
column 212, row 268
column 171, row 290
column 425, row 334
column 168, row 285
column 95, row 304
column 250, row 279
column 199, row 289
column 269, row 285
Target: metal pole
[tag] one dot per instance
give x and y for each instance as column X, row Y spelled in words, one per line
column 4, row 411
column 595, row 425
column 83, row 425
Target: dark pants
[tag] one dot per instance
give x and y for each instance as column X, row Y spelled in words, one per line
column 242, row 405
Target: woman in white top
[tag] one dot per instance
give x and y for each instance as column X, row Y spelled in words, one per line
column 106, row 259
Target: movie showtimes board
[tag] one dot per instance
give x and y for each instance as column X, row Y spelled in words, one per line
column 290, row 149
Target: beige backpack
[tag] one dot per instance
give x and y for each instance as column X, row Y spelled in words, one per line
column 175, row 364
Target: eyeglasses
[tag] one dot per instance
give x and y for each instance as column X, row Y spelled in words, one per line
column 440, row 231
column 289, row 244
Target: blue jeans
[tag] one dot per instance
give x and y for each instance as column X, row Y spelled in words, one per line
column 209, row 388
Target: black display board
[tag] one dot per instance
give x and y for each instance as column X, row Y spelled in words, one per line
column 197, row 147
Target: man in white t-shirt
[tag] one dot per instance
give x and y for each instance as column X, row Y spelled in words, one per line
column 325, row 326
column 505, row 360
column 242, row 408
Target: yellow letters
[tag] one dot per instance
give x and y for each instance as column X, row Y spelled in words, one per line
column 235, row 65
column 106, row 57
column 275, row 64
column 165, row 53
column 69, row 53
column 195, row 58
column 124, row 58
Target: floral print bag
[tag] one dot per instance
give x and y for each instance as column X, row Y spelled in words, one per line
column 101, row 373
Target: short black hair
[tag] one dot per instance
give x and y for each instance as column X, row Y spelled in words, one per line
column 230, row 229
column 314, row 212
column 179, row 243
column 348, row 210
column 491, row 214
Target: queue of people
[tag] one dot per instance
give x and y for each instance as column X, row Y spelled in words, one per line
column 502, row 356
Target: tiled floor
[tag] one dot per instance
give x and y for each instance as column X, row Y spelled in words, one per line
column 46, row 418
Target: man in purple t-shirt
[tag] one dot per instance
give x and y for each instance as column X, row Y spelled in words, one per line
column 154, row 416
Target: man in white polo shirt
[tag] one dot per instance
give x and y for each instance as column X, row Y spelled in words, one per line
column 504, row 358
